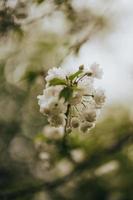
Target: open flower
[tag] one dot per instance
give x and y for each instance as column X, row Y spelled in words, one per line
column 56, row 73
column 90, row 115
column 57, row 120
column 50, row 103
column 96, row 71
column 70, row 100
column 99, row 97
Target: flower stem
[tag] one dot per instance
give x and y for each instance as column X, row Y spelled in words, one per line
column 80, row 78
column 65, row 128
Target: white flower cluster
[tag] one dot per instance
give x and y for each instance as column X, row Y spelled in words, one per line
column 70, row 100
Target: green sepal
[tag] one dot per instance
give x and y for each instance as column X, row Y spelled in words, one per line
column 76, row 74
column 57, row 81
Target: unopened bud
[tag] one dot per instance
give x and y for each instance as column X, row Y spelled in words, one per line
column 75, row 122
column 85, row 126
column 90, row 116
column 81, row 67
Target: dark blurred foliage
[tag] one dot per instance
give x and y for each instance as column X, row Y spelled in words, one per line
column 9, row 17
column 93, row 166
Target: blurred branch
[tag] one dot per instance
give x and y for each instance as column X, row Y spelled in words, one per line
column 78, row 44
column 75, row 48
column 38, row 18
column 92, row 162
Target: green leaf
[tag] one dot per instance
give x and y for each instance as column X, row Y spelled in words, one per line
column 66, row 93
column 76, row 74
column 57, row 81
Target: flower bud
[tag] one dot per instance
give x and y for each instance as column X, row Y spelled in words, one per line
column 81, row 67
column 75, row 122
column 90, row 115
column 57, row 120
column 85, row 126
column 99, row 98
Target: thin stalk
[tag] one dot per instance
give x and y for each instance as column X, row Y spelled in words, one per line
column 88, row 95
column 83, row 104
column 67, row 120
column 86, row 74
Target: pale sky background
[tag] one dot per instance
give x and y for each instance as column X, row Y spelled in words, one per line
column 114, row 52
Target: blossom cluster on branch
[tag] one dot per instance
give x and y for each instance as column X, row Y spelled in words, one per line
column 70, row 100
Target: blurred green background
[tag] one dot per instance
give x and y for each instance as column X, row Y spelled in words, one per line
column 36, row 35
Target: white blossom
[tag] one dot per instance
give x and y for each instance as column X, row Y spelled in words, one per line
column 57, row 106
column 52, row 91
column 78, row 155
column 85, row 126
column 75, row 122
column 56, row 73
column 86, row 85
column 96, row 71
column 57, row 120
column 50, row 103
column 77, row 96
column 42, row 102
column 99, row 97
column 90, row 115
column 70, row 100
column 64, row 167
column 51, row 132
column 48, row 94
